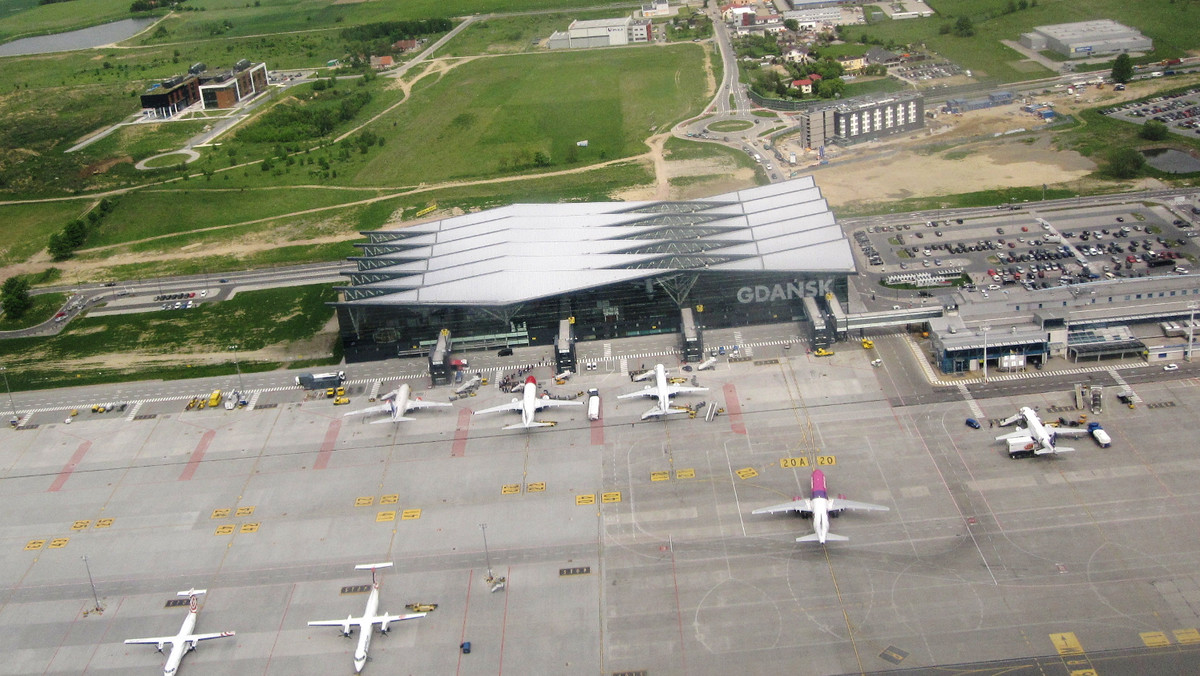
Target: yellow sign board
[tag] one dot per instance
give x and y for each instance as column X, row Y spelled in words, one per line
column 660, row 476
column 34, row 544
column 224, row 529
column 104, row 523
column 791, row 463
column 536, row 487
column 219, row 513
column 1187, row 636
column 611, row 496
column 245, row 511
column 1155, row 639
column 510, row 489
column 747, row 472
column 58, row 543
column 585, row 499
column 390, row 499
column 685, row 474
column 410, row 514
column 365, row 501
column 826, row 460
column 385, row 516
column 81, row 525
column 251, row 527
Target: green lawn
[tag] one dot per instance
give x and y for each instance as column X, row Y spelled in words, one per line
column 253, row 320
column 45, row 305
column 492, row 116
column 22, row 18
column 25, row 228
column 512, row 34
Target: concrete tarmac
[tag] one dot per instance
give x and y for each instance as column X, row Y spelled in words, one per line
column 628, row 546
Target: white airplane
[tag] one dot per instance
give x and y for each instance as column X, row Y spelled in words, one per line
column 663, row 390
column 820, row 507
column 369, row 619
column 397, row 403
column 1035, row 438
column 529, row 405
column 185, row 641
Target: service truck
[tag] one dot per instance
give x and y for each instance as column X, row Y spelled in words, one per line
column 1099, row 435
column 214, row 399
column 321, row 381
column 593, row 404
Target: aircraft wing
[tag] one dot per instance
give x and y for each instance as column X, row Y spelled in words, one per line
column 385, row 619
column 801, row 505
column 382, row 408
column 539, row 404
column 153, row 640
column 421, row 403
column 648, row 392
column 204, row 637
column 514, row 405
column 842, row 503
column 672, row 390
column 1020, row 432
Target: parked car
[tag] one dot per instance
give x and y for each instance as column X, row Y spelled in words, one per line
column 973, row 423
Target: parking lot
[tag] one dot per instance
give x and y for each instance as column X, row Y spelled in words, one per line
column 1180, row 112
column 1017, row 248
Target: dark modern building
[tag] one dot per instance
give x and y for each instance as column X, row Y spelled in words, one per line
column 228, row 88
column 508, row 276
column 164, row 99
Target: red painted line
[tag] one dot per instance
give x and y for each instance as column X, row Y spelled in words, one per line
column 459, row 448
column 70, row 466
column 734, row 410
column 108, row 625
column 279, row 630
column 328, row 445
column 597, row 432
column 197, row 455
column 57, row 648
column 678, row 607
column 504, row 621
column 466, row 608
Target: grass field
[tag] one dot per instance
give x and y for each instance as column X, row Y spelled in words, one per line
column 25, row 228
column 730, row 125
column 512, row 34
column 23, row 18
column 253, row 320
column 45, row 305
column 506, row 110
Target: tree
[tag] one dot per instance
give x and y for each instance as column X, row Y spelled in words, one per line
column 1124, row 163
column 14, row 295
column 1122, row 69
column 792, row 25
column 963, row 27
column 1154, row 130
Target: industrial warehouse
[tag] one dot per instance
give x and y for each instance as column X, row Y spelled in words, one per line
column 508, row 276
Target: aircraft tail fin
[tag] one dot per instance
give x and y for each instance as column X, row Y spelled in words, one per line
column 388, row 420
column 191, row 592
column 1053, row 451
column 829, row 537
column 373, row 566
column 521, row 426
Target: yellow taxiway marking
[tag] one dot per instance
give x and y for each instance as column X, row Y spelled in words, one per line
column 81, row 525
column 1155, row 639
column 251, row 527
column 104, row 523
column 34, row 544
column 536, row 487
column 747, row 472
column 1187, row 636
column 58, row 543
column 244, row 511
column 389, row 499
column 410, row 514
column 792, row 463
column 660, row 476
column 225, row 529
column 365, row 501
column 585, row 499
column 611, row 496
column 510, row 489
column 219, row 513
column 385, row 516
column 826, row 460
column 1066, row 644
column 685, row 474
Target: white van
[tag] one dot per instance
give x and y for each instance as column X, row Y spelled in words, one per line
column 593, row 404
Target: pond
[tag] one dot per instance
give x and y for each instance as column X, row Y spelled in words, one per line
column 85, row 38
column 1171, row 161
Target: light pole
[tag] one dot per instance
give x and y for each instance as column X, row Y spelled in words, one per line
column 487, row 557
column 985, row 331
column 241, row 388
column 4, row 372
column 95, row 596
column 1191, row 330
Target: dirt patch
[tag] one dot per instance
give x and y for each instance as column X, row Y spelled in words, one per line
column 101, row 167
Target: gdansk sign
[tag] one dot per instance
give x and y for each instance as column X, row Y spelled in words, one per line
column 765, row 294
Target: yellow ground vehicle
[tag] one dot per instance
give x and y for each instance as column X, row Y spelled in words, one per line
column 341, row 400
column 822, row 352
column 341, row 391
column 868, row 344
column 329, row 394
column 214, row 399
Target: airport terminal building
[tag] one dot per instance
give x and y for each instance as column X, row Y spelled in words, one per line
column 507, row 276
